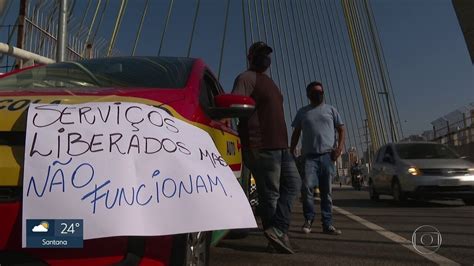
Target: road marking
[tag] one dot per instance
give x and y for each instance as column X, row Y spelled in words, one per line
column 438, row 259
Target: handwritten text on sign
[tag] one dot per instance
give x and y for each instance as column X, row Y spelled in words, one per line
column 127, row 169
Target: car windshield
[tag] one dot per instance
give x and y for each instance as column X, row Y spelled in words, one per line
column 425, row 151
column 119, row 72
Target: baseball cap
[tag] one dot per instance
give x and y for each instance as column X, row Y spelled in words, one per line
column 260, row 47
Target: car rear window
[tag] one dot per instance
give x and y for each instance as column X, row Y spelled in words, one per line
column 425, row 151
column 118, row 72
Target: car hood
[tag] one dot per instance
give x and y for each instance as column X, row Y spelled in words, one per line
column 439, row 163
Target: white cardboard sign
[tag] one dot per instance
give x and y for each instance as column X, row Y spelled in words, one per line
column 127, row 169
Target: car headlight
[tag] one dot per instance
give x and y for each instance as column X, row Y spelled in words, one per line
column 414, row 171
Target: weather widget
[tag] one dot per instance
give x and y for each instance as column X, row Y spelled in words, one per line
column 49, row 233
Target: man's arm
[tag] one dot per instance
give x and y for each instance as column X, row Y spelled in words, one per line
column 295, row 137
column 244, row 84
column 341, row 136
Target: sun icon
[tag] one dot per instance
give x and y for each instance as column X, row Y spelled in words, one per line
column 45, row 224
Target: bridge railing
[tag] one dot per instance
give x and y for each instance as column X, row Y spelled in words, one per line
column 458, row 135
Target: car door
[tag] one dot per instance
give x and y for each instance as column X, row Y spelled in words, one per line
column 388, row 168
column 225, row 138
column 377, row 168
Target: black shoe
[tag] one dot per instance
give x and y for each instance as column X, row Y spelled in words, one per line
column 279, row 240
column 331, row 230
column 291, row 245
column 307, row 226
column 270, row 248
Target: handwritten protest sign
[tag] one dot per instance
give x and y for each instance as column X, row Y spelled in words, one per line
column 127, row 169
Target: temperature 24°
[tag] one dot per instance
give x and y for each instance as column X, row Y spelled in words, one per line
column 69, row 228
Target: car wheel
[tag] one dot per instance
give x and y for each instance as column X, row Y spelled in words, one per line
column 373, row 194
column 397, row 192
column 191, row 249
column 469, row 202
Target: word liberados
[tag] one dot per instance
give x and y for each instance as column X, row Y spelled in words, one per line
column 102, row 196
column 73, row 142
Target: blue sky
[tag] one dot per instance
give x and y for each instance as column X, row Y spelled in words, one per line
column 427, row 57
column 426, row 54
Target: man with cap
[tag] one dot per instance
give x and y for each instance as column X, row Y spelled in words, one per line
column 319, row 123
column 265, row 147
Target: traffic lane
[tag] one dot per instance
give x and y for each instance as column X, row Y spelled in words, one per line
column 452, row 218
column 355, row 246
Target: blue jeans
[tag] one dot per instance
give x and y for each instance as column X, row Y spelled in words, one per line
column 278, row 183
column 318, row 171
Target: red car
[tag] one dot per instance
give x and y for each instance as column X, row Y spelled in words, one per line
column 184, row 87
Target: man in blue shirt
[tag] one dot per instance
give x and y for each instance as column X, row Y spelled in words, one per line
column 319, row 123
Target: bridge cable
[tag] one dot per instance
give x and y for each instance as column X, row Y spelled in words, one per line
column 196, row 13
column 317, row 56
column 349, row 72
column 299, row 44
column 283, row 87
column 104, row 8
column 223, row 40
column 265, row 31
column 139, row 31
column 382, row 82
column 259, row 36
column 249, row 12
column 341, row 81
column 276, row 53
column 375, row 130
column 335, row 79
column 288, row 55
column 358, row 65
column 324, row 55
column 118, row 23
column 96, row 12
column 374, row 22
column 245, row 33
column 374, row 95
column 315, row 72
column 170, row 8
column 296, row 52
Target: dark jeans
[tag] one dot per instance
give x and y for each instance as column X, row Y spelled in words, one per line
column 278, row 183
column 319, row 171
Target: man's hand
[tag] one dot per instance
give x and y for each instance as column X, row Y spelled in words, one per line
column 336, row 153
column 293, row 151
column 295, row 136
column 340, row 143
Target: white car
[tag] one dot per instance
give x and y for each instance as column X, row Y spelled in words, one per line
column 421, row 170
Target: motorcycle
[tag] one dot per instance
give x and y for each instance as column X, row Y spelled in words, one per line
column 358, row 182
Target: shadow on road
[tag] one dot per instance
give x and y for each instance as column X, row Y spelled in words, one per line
column 242, row 246
column 389, row 203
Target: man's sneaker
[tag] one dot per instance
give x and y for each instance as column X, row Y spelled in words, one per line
column 293, row 246
column 270, row 248
column 331, row 230
column 307, row 226
column 277, row 238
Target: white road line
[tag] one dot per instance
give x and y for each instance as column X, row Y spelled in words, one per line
column 438, row 259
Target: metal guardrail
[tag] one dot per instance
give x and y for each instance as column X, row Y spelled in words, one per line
column 458, row 135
